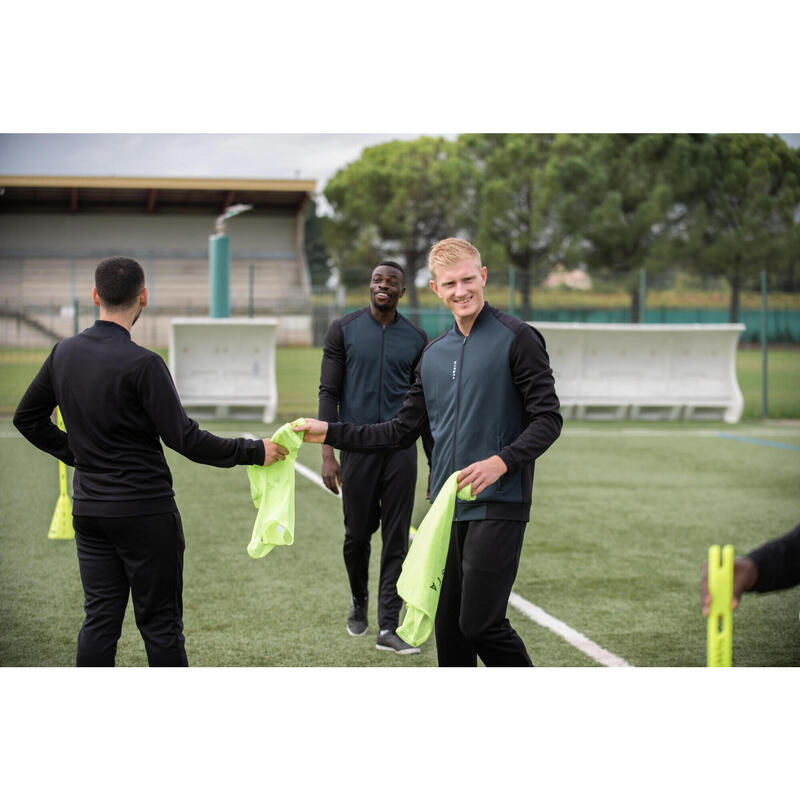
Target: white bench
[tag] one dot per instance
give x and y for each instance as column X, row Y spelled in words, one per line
column 645, row 372
column 224, row 368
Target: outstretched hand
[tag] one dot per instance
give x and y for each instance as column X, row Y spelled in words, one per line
column 314, row 430
column 273, row 452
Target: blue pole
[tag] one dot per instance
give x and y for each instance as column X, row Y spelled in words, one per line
column 219, row 267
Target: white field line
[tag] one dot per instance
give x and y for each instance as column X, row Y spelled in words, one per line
column 643, row 433
column 577, row 640
column 533, row 612
column 314, row 477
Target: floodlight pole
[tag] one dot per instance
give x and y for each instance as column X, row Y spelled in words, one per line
column 219, row 264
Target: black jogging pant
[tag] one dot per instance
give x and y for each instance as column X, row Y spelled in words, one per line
column 481, row 566
column 142, row 556
column 378, row 489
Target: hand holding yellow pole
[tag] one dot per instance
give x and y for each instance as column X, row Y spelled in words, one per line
column 720, row 618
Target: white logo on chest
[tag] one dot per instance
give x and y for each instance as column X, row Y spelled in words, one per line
column 455, row 364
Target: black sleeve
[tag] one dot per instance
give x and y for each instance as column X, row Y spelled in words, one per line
column 396, row 434
column 32, row 417
column 531, row 373
column 160, row 400
column 778, row 563
column 331, row 377
column 427, row 437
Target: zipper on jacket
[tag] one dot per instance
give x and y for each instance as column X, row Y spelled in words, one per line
column 380, row 374
column 458, row 401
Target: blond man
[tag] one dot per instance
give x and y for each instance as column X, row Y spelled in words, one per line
column 486, row 388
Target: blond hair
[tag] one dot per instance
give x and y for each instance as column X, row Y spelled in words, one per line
column 451, row 251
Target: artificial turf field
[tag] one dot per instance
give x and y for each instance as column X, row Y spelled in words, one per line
column 623, row 516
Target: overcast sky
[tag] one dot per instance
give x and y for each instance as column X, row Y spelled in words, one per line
column 314, row 156
column 308, row 156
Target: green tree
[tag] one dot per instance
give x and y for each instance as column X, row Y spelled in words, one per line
column 518, row 210
column 745, row 219
column 629, row 197
column 319, row 265
column 396, row 201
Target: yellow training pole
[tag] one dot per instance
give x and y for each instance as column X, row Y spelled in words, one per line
column 61, row 524
column 720, row 618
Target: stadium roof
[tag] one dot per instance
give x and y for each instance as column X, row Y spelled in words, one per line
column 76, row 193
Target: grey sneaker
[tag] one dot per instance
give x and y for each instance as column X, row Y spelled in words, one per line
column 389, row 640
column 357, row 618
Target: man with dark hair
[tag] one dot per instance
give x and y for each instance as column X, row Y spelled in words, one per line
column 368, row 363
column 117, row 399
column 118, row 281
column 486, row 389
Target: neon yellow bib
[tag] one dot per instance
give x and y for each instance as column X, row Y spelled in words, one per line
column 272, row 490
column 421, row 577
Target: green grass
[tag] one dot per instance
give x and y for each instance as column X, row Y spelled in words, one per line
column 619, row 531
column 298, row 379
column 783, row 382
column 620, row 528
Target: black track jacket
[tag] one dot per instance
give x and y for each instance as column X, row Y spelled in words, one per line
column 368, row 368
column 491, row 393
column 117, row 399
column 778, row 563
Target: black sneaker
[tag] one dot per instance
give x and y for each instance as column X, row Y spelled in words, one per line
column 389, row 640
column 357, row 619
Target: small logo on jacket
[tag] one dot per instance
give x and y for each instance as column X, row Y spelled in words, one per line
column 455, row 364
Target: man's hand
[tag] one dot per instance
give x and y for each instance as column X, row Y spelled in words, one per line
column 315, row 430
column 331, row 476
column 482, row 474
column 745, row 574
column 273, row 452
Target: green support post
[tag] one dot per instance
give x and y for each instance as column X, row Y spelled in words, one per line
column 764, row 343
column 512, row 289
column 219, row 267
column 251, row 284
column 73, row 283
column 642, row 295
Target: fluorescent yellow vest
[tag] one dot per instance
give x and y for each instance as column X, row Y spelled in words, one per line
column 421, row 577
column 272, row 490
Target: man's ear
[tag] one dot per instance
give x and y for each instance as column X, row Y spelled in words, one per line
column 95, row 296
column 434, row 287
column 143, row 297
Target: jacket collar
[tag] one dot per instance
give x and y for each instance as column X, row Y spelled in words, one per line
column 482, row 315
column 106, row 326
